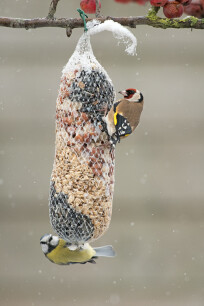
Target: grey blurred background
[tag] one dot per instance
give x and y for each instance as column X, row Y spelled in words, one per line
column 158, row 215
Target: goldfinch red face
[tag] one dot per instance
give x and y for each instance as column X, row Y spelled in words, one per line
column 132, row 94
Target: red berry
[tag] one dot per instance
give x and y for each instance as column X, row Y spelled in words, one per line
column 173, row 9
column 89, row 6
column 185, row 2
column 141, row 2
column 123, row 1
column 158, row 2
column 196, row 9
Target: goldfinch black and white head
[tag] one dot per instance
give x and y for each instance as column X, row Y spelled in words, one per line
column 132, row 94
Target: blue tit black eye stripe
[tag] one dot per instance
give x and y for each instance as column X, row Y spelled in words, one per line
column 50, row 239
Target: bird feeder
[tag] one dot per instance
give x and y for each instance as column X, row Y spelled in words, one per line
column 82, row 180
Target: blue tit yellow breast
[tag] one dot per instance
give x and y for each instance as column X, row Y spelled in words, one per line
column 62, row 255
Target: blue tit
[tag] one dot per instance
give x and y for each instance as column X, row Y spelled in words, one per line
column 58, row 251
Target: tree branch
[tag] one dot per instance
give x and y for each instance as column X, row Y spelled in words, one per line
column 151, row 20
column 97, row 9
column 52, row 9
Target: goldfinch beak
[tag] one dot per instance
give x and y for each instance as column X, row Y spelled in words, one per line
column 123, row 92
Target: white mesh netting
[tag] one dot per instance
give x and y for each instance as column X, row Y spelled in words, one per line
column 82, row 179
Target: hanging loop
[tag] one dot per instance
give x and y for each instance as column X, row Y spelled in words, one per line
column 83, row 17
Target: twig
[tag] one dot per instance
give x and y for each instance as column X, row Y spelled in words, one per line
column 153, row 10
column 98, row 9
column 150, row 20
column 52, row 9
column 68, row 31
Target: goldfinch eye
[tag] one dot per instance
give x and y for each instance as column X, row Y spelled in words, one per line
column 130, row 92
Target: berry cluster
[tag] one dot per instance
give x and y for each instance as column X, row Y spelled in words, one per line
column 171, row 8
column 195, row 8
column 175, row 8
column 141, row 2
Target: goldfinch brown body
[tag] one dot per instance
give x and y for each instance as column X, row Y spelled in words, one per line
column 124, row 116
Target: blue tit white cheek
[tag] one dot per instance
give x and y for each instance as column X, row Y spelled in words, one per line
column 44, row 248
column 54, row 241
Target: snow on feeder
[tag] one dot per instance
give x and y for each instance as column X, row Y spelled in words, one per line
column 82, row 180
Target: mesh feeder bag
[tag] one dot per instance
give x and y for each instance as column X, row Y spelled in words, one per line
column 82, row 180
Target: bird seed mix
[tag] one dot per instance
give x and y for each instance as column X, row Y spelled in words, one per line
column 82, row 180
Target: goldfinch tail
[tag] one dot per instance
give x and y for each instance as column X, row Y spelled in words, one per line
column 106, row 251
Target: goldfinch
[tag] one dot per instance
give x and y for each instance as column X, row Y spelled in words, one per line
column 124, row 116
column 59, row 252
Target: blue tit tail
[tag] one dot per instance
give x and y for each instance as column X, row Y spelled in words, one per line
column 106, row 251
